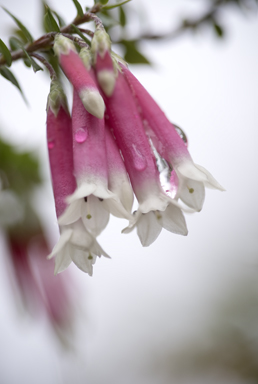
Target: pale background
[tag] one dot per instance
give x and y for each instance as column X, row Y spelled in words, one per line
column 146, row 301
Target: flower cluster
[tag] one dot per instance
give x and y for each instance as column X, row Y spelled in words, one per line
column 116, row 144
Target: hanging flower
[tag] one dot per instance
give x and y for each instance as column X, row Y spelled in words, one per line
column 75, row 243
column 118, row 180
column 78, row 75
column 192, row 177
column 103, row 63
column 92, row 201
column 159, row 210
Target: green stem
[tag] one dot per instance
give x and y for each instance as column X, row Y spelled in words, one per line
column 42, row 59
column 45, row 41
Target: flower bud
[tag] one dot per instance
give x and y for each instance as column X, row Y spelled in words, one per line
column 79, row 76
column 101, row 47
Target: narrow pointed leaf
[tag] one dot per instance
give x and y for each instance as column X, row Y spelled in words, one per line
column 21, row 26
column 20, row 35
column 50, row 22
column 122, row 17
column 76, row 29
column 27, row 63
column 218, row 30
column 103, row 1
column 78, row 7
column 7, row 74
column 14, row 43
column 61, row 21
column 116, row 5
column 33, row 63
column 6, row 53
column 132, row 55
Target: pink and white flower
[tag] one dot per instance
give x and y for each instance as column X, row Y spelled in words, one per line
column 118, row 180
column 78, row 75
column 192, row 177
column 156, row 209
column 92, row 201
column 76, row 243
column 103, row 63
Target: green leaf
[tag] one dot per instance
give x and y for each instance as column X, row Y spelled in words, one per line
column 103, row 1
column 132, row 54
column 33, row 63
column 78, row 7
column 15, row 43
column 20, row 35
column 122, row 17
column 6, row 53
column 21, row 26
column 218, row 30
column 27, row 62
column 7, row 74
column 22, row 170
column 60, row 20
column 50, row 22
column 116, row 5
column 76, row 29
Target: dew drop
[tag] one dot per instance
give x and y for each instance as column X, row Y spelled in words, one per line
column 139, row 160
column 51, row 144
column 81, row 135
column 181, row 134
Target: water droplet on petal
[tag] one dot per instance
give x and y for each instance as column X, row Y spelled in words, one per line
column 50, row 144
column 81, row 135
column 139, row 160
column 181, row 134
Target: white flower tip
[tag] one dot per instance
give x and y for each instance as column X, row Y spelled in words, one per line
column 189, row 170
column 93, row 102
column 127, row 229
column 107, row 81
column 198, row 173
column 184, row 232
column 211, row 182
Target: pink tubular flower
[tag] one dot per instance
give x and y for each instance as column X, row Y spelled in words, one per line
column 78, row 75
column 192, row 177
column 92, row 201
column 41, row 293
column 75, row 243
column 118, row 181
column 59, row 141
column 156, row 210
column 103, row 63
